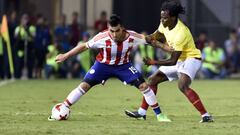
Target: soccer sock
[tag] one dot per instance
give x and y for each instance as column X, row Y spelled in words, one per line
column 195, row 100
column 144, row 104
column 151, row 100
column 142, row 111
column 74, row 96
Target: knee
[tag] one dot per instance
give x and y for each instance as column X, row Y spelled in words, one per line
column 152, row 80
column 84, row 86
column 182, row 87
column 143, row 86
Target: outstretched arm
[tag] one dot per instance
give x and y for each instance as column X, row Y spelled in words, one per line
column 163, row 46
column 78, row 49
column 169, row 62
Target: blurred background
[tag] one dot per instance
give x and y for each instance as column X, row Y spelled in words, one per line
column 40, row 29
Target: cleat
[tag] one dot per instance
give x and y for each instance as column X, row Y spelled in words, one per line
column 135, row 115
column 207, row 119
column 163, row 118
column 51, row 119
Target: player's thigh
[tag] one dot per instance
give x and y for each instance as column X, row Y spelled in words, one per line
column 190, row 67
column 128, row 74
column 157, row 77
column 170, row 72
column 98, row 73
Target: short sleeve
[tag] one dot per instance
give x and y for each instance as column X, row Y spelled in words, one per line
column 91, row 43
column 140, row 39
column 98, row 41
column 136, row 38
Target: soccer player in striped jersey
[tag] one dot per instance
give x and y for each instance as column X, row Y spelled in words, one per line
column 115, row 46
column 184, row 63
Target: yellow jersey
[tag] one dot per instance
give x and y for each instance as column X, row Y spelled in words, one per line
column 180, row 38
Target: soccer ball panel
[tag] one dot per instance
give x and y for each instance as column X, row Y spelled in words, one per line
column 60, row 112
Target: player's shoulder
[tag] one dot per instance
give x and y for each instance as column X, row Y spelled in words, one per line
column 100, row 36
column 135, row 34
column 182, row 26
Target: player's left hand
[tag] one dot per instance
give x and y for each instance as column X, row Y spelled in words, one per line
column 149, row 61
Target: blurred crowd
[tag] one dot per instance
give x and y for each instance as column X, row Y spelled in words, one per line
column 35, row 45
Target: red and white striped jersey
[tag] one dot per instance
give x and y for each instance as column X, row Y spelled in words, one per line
column 115, row 53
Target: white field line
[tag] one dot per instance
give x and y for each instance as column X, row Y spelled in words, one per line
column 74, row 114
column 85, row 114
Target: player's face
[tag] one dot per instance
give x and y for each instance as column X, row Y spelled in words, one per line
column 116, row 32
column 165, row 18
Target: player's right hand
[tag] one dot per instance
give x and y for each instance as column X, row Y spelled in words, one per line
column 148, row 61
column 60, row 58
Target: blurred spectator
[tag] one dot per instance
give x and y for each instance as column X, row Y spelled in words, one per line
column 62, row 34
column 213, row 62
column 24, row 34
column 82, row 63
column 238, row 31
column 201, row 40
column 1, row 58
column 231, row 47
column 75, row 30
column 12, row 24
column 42, row 40
column 101, row 23
column 51, row 66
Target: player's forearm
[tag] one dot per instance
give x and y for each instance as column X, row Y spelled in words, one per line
column 157, row 44
column 78, row 49
column 168, row 62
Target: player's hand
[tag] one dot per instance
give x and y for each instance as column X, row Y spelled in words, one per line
column 149, row 61
column 60, row 58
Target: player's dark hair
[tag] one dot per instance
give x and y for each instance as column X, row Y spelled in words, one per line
column 174, row 7
column 115, row 20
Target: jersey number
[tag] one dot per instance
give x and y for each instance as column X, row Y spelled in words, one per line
column 133, row 69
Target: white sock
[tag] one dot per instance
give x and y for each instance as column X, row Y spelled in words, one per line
column 74, row 96
column 149, row 96
column 142, row 111
column 205, row 114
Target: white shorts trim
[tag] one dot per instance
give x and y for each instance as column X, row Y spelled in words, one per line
column 189, row 67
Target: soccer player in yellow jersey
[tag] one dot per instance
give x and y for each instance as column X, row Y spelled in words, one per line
column 184, row 63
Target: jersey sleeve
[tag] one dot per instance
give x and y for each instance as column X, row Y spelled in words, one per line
column 93, row 43
column 97, row 41
column 140, row 39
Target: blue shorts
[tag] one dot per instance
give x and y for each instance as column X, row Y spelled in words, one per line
column 100, row 72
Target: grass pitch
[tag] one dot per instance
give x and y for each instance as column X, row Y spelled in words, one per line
column 25, row 106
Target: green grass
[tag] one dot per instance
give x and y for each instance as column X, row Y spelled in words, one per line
column 25, row 106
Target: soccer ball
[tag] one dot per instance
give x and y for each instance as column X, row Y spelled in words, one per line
column 60, row 112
